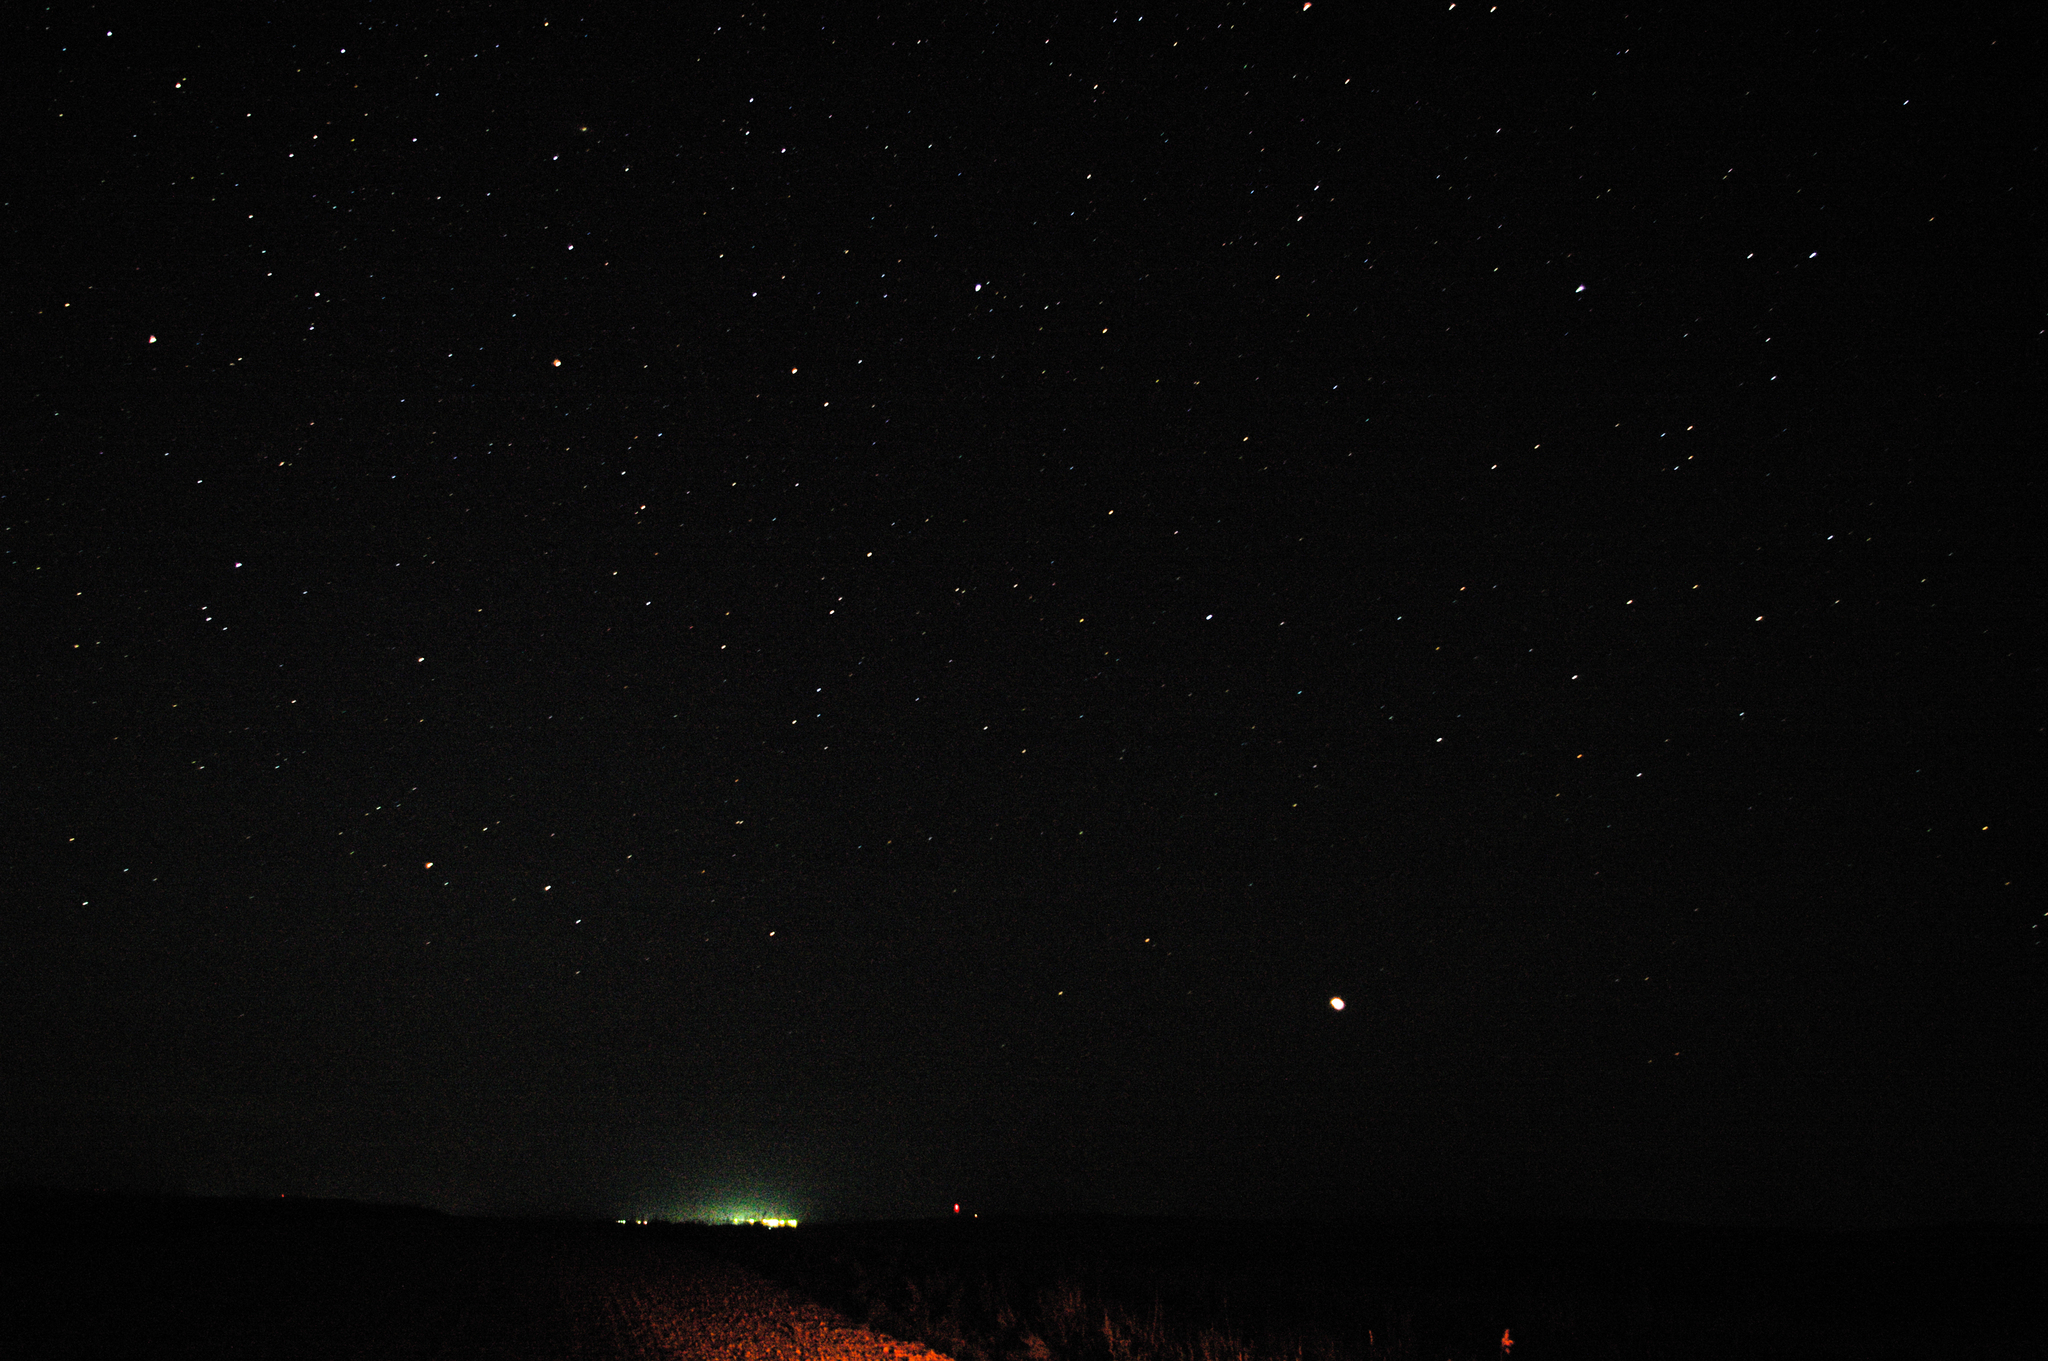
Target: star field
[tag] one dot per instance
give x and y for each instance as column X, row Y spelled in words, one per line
column 1214, row 612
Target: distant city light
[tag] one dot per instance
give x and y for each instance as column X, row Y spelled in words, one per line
column 762, row 1213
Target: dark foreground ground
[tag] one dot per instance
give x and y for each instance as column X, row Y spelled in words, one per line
column 1170, row 1290
column 135, row 1277
column 316, row 1280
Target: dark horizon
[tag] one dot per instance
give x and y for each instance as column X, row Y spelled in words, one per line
column 843, row 615
column 27, row 1197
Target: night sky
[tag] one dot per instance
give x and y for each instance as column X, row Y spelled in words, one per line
column 684, row 610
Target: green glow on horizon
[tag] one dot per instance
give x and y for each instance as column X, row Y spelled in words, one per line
column 769, row 1216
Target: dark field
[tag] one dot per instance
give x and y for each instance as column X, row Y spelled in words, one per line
column 136, row 1277
column 1110, row 1289
column 162, row 1278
